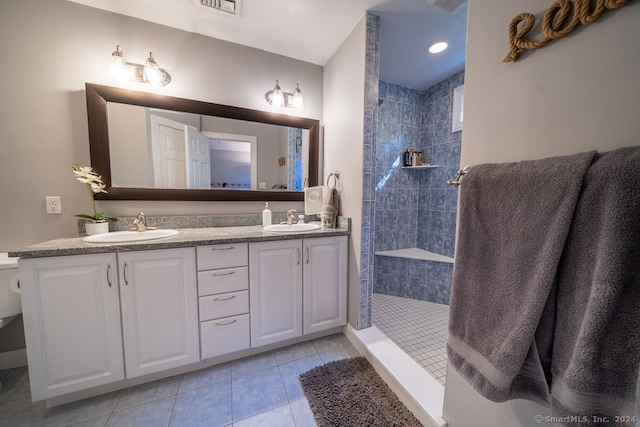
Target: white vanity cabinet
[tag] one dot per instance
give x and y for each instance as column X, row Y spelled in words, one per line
column 324, row 291
column 91, row 320
column 223, row 291
column 275, row 284
column 100, row 322
column 71, row 314
column 158, row 295
column 297, row 287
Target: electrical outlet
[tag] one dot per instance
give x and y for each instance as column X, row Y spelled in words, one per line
column 53, row 205
column 262, row 185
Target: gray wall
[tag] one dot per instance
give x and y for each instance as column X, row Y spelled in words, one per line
column 54, row 47
column 578, row 93
column 343, row 143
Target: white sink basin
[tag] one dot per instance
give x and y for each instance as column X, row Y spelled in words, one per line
column 130, row 236
column 293, row 228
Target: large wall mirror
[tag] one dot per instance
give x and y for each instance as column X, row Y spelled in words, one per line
column 155, row 147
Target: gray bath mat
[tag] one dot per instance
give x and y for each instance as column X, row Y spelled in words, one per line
column 349, row 392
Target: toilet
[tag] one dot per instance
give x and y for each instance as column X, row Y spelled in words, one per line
column 10, row 305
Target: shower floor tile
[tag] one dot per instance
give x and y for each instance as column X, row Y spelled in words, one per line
column 419, row 328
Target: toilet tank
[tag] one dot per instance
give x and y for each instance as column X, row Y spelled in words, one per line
column 9, row 300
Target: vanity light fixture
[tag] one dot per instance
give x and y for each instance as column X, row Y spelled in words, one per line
column 278, row 98
column 147, row 73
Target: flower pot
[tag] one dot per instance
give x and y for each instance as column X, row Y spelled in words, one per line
column 91, row 227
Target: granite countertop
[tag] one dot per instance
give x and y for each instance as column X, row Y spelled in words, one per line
column 186, row 237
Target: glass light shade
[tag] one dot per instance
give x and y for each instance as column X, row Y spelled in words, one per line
column 151, row 73
column 297, row 102
column 118, row 67
column 277, row 97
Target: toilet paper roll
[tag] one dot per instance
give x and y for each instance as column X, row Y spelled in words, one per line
column 14, row 284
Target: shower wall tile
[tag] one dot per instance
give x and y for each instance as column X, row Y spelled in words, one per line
column 448, row 239
column 370, row 158
column 435, row 228
column 414, row 208
column 415, row 279
column 410, row 115
column 451, row 201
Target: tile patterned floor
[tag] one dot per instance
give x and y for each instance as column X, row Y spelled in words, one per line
column 261, row 390
column 419, row 328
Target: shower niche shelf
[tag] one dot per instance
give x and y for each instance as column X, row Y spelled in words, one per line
column 421, row 167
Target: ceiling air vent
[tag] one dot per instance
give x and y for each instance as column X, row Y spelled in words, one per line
column 229, row 7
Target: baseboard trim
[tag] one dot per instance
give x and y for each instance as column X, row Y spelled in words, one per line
column 419, row 391
column 13, row 359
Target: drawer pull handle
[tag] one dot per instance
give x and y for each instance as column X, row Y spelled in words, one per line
column 228, row 248
column 231, row 322
column 223, row 274
column 224, row 299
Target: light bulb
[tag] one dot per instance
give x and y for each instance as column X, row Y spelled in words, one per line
column 438, row 47
column 297, row 102
column 151, row 73
column 118, row 66
column 277, row 97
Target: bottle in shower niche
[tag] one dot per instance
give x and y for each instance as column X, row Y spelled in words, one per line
column 266, row 215
column 407, row 157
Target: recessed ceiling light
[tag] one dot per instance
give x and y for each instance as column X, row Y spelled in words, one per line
column 437, row 47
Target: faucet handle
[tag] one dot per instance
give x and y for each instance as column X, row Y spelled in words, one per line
column 140, row 222
column 291, row 214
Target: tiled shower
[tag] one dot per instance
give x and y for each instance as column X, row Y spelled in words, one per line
column 406, row 208
column 415, row 208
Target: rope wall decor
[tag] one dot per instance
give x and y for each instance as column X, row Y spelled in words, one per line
column 561, row 19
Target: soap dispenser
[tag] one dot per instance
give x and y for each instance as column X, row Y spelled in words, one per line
column 266, row 215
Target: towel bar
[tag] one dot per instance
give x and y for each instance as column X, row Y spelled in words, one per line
column 461, row 173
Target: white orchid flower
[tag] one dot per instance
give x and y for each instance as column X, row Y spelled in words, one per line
column 94, row 184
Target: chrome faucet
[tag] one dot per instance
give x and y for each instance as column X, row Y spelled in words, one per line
column 291, row 215
column 140, row 223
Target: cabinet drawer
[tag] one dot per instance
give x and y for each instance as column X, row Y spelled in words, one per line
column 224, row 336
column 223, row 280
column 222, row 256
column 224, row 305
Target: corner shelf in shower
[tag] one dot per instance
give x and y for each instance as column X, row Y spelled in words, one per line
column 416, row 253
column 421, row 167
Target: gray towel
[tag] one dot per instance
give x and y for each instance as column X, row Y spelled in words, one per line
column 514, row 220
column 329, row 210
column 596, row 349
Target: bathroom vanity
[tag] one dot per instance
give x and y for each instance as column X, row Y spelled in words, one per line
column 100, row 317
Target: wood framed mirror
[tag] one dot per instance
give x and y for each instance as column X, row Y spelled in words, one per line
column 100, row 103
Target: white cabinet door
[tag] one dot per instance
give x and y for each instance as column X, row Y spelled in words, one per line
column 325, row 283
column 72, row 323
column 275, row 291
column 159, row 309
